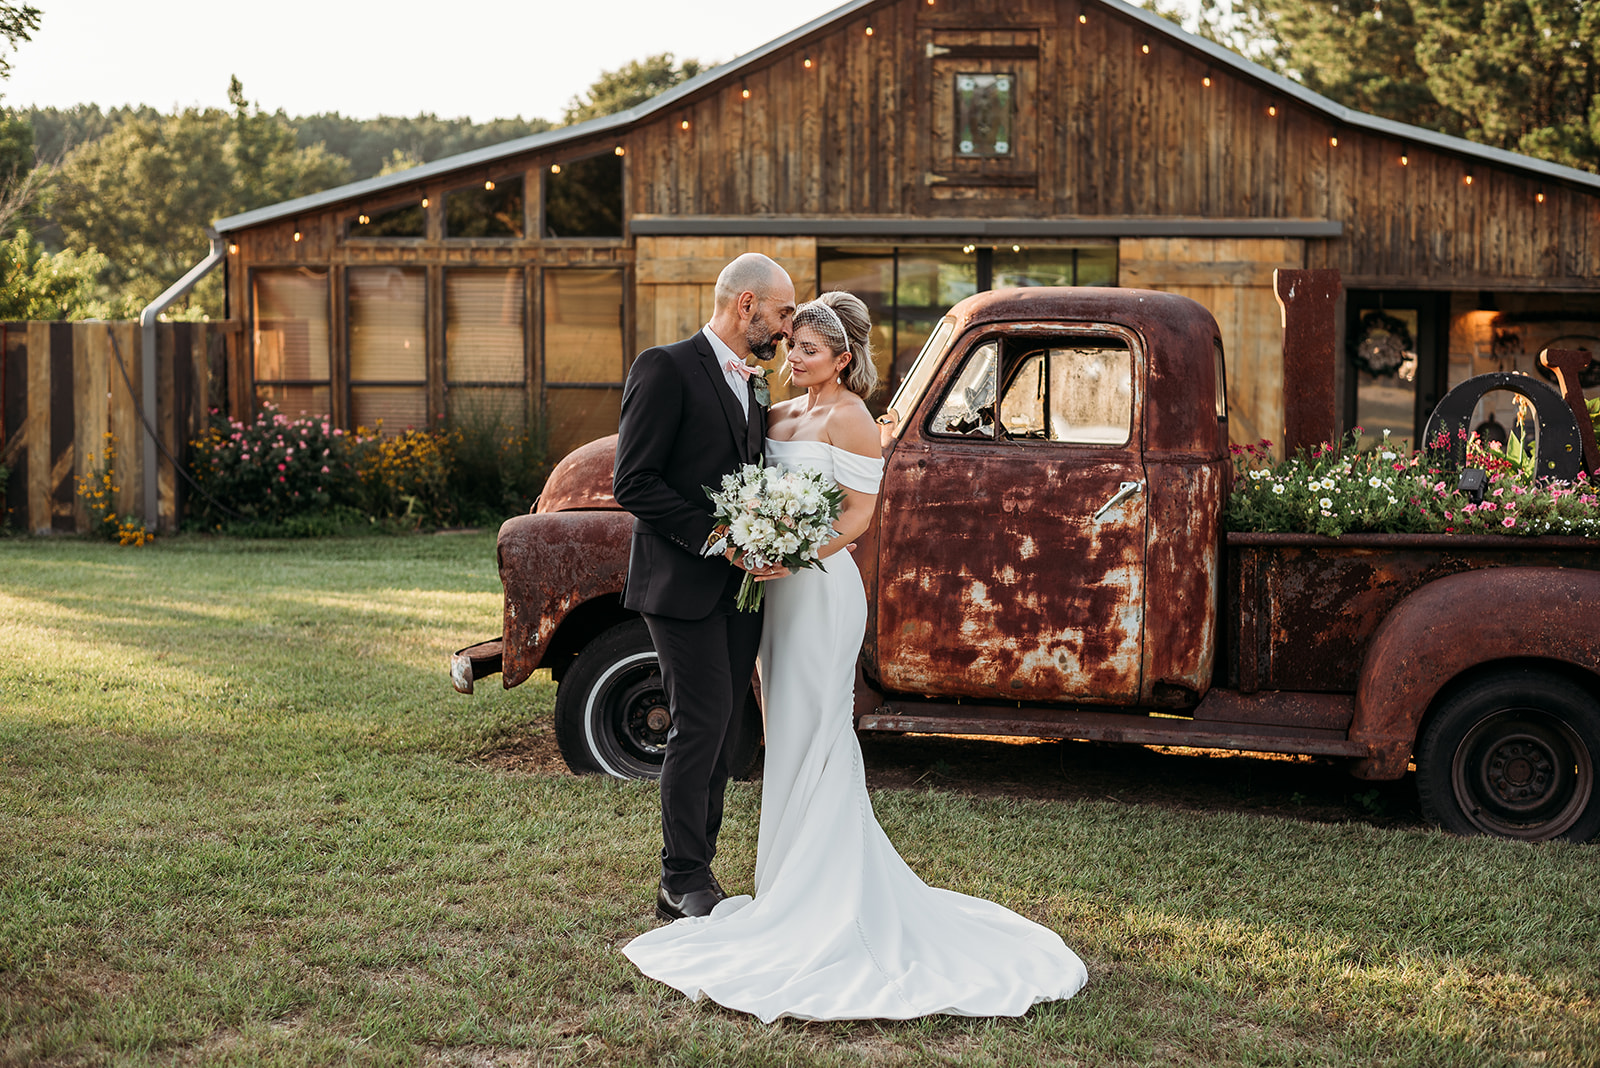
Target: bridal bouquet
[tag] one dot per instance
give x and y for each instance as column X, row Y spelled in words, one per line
column 773, row 516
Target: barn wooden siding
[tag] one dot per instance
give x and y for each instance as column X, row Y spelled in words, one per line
column 1118, row 133
column 64, row 393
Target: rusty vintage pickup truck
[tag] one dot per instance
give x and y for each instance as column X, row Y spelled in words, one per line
column 1049, row 560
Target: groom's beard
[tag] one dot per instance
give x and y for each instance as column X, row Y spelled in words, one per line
column 762, row 338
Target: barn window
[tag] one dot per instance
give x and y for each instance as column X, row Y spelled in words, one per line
column 290, row 308
column 484, row 345
column 583, row 197
column 491, row 208
column 388, row 316
column 985, row 109
column 583, row 357
column 407, row 220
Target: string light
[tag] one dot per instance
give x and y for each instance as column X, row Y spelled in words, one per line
column 1272, row 111
column 297, row 230
column 744, row 91
column 808, row 63
column 1333, row 142
column 684, row 124
column 1083, row 20
column 555, row 168
column 233, row 250
column 968, row 248
column 1468, row 178
column 363, row 218
column 869, row 31
column 424, row 201
column 1016, row 248
column 488, row 183
column 1538, row 198
column 1206, row 81
column 1405, row 158
column 1145, row 48
column 621, row 151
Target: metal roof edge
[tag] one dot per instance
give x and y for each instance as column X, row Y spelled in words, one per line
column 1349, row 116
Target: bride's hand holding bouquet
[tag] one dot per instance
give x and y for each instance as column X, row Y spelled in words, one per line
column 771, row 517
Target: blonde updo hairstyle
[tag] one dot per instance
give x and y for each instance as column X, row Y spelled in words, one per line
column 860, row 375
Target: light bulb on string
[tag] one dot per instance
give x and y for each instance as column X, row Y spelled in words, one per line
column 424, row 201
column 488, row 183
column 621, row 151
column 1538, row 198
column 555, row 168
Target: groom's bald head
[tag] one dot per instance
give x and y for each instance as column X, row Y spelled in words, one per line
column 755, row 274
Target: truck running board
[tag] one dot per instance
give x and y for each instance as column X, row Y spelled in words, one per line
column 475, row 662
column 1135, row 728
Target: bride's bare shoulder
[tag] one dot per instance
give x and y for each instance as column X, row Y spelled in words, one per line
column 851, row 428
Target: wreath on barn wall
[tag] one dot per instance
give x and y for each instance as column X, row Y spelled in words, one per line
column 1383, row 345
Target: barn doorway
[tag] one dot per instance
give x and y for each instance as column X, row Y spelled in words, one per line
column 1396, row 362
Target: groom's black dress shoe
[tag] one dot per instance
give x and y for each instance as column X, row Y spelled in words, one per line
column 670, row 906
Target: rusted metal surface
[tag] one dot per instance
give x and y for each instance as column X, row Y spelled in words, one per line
column 1318, row 711
column 1456, row 623
column 1310, row 301
column 1035, row 722
column 994, row 578
column 1569, row 365
column 1181, row 580
column 550, row 564
column 582, row 480
column 1304, row 608
column 475, row 662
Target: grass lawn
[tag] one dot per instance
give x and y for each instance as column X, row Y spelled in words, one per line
column 244, row 819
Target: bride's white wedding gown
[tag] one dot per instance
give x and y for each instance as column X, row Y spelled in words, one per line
column 839, row 927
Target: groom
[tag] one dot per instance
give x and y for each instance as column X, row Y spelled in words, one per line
column 690, row 416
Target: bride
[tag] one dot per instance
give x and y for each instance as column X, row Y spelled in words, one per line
column 839, row 927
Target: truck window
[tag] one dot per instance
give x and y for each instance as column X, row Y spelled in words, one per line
column 1078, row 391
column 909, row 395
column 968, row 408
column 1222, row 381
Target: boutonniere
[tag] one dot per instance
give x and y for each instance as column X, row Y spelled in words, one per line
column 758, row 382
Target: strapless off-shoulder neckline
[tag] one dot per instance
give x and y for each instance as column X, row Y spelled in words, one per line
column 849, row 469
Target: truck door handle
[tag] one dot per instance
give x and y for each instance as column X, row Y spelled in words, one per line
column 1127, row 489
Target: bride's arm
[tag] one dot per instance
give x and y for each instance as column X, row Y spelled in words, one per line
column 853, row 431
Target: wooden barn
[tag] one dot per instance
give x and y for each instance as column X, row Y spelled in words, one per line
column 915, row 151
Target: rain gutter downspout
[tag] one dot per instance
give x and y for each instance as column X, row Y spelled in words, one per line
column 147, row 331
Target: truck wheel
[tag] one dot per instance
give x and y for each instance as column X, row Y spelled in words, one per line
column 612, row 715
column 1513, row 755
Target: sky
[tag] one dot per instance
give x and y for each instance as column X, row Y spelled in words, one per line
column 494, row 59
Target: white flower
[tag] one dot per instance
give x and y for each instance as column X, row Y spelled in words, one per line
column 1277, row 487
column 787, row 544
column 1325, row 503
column 739, row 530
column 1374, row 481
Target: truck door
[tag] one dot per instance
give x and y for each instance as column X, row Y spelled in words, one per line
column 1012, row 531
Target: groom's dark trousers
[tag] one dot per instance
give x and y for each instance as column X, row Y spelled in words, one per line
column 682, row 430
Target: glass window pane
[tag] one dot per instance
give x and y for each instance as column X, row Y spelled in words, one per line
column 493, row 209
column 1097, row 266
column 869, row 274
column 922, row 371
column 394, row 408
column 295, row 401
column 1384, row 351
column 583, row 326
column 578, row 416
column 473, row 407
column 985, row 104
column 968, row 408
column 388, row 324
column 291, row 334
column 407, row 220
column 583, row 198
column 931, row 280
column 1033, row 267
column 1080, row 393
column 483, row 335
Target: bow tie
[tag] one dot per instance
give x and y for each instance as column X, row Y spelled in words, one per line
column 739, row 367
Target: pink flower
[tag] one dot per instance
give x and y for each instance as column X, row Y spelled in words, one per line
column 1497, row 493
column 1398, row 466
column 283, row 467
column 282, row 479
column 324, row 468
column 1508, row 522
column 1488, row 506
column 1468, row 509
column 1448, row 515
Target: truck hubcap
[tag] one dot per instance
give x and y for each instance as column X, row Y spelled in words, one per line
column 1522, row 773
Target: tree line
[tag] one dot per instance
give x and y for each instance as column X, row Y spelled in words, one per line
column 101, row 209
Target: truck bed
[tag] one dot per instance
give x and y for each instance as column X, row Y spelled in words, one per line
column 1301, row 608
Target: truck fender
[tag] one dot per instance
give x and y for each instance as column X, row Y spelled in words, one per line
column 550, row 563
column 1454, row 624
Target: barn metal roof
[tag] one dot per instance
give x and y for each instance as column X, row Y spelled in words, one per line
column 621, row 120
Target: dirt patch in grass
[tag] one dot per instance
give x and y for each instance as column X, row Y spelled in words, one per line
column 1315, row 789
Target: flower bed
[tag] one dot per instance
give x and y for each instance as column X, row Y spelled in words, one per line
column 1337, row 490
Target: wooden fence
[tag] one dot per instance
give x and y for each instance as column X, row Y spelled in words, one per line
column 65, row 395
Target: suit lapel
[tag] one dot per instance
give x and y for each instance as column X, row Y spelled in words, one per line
column 737, row 424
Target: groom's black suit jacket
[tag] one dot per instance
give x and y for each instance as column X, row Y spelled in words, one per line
column 681, row 430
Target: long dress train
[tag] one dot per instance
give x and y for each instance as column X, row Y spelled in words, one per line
column 839, row 927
